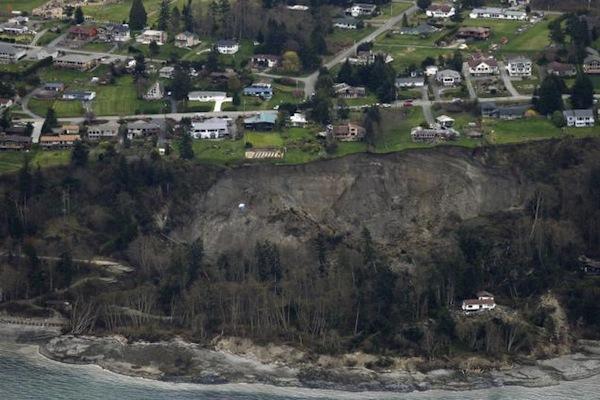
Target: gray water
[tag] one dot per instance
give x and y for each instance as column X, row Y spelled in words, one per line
column 24, row 374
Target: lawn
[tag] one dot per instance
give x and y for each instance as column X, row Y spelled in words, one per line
column 532, row 40
column 264, row 140
column 199, row 106
column 342, row 38
column 389, row 10
column 500, row 132
column 20, row 5
column 219, row 152
column 281, row 94
column 63, row 108
column 12, row 161
column 121, row 99
column 119, row 11
column 410, row 55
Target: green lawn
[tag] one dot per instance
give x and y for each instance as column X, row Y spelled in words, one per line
column 199, row 106
column 387, row 12
column 119, row 11
column 262, row 140
column 63, row 108
column 219, row 152
column 532, row 40
column 281, row 94
column 342, row 38
column 405, row 56
column 500, row 132
column 20, row 5
column 12, row 161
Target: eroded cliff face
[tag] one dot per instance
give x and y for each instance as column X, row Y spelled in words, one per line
column 406, row 200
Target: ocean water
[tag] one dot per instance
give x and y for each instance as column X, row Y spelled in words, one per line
column 24, row 374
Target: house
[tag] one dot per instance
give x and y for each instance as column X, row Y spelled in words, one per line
column 15, row 142
column 348, row 132
column 262, row 90
column 114, row 33
column 45, row 53
column 490, row 109
column 143, row 128
column 419, row 30
column 298, row 7
column 205, row 96
column 264, row 121
column 579, row 118
column 420, row 134
column 166, row 72
column 591, row 64
column 431, row 70
column 155, row 92
column 345, row 91
column 11, row 54
column 14, row 29
column 5, row 103
column 346, row 23
column 482, row 65
column 498, row 13
column 440, row 11
column 80, row 32
column 410, row 82
column 69, row 129
column 186, row 39
column 227, row 46
column 48, row 11
column 561, row 69
column 445, row 121
column 448, row 77
column 222, row 77
column 162, row 145
column 474, row 32
column 150, row 35
column 361, row 10
column 265, row 61
column 368, row 57
column 588, row 265
column 211, row 128
column 484, row 301
column 108, row 130
column 298, row 120
column 61, row 141
column 519, row 66
column 79, row 62
column 79, row 96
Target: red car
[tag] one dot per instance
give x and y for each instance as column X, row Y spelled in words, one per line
column 408, row 103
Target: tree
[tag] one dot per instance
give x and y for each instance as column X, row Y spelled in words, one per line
column 6, row 120
column 137, row 15
column 291, row 61
column 79, row 17
column 65, row 270
column 558, row 119
column 582, row 93
column 423, row 4
column 154, row 48
column 404, row 20
column 140, row 66
column 549, row 96
column 50, row 122
column 163, row 15
column 181, row 83
column 79, row 155
column 346, row 73
column 186, row 150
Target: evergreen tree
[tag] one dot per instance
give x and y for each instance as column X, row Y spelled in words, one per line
column 153, row 48
column 582, row 92
column 188, row 18
column 346, row 73
column 317, row 41
column 50, row 121
column 181, row 83
column 65, row 270
column 137, row 15
column 423, row 4
column 163, row 15
column 404, row 20
column 140, row 66
column 78, row 17
column 549, row 96
column 79, row 155
column 186, row 150
column 6, row 120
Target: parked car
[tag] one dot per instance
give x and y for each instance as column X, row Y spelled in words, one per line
column 408, row 103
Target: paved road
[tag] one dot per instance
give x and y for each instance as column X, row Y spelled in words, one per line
column 506, row 79
column 38, row 36
column 426, row 105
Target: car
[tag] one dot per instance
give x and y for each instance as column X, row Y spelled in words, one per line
column 386, row 105
column 408, row 103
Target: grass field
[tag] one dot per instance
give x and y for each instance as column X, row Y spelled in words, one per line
column 119, row 12
column 281, row 94
column 501, row 132
column 405, row 56
column 219, row 152
column 262, row 140
column 63, row 108
column 389, row 10
column 20, row 5
column 12, row 161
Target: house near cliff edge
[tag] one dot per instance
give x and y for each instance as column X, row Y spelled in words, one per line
column 484, row 301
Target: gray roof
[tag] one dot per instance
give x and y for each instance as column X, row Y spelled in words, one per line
column 579, row 113
column 346, row 21
column 211, row 123
column 422, row 29
column 449, row 73
column 590, row 58
column 143, row 125
column 496, row 10
column 226, row 43
column 206, row 93
column 518, row 59
column 76, row 58
column 409, row 80
column 9, row 49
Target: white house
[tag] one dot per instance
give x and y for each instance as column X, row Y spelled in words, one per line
column 448, row 77
column 206, row 96
column 186, row 39
column 228, row 46
column 482, row 65
column 212, row 128
column 346, row 23
column 410, row 82
column 498, row 13
column 166, row 72
column 440, row 11
column 444, row 121
column 150, row 35
column 298, row 120
column 579, row 118
column 519, row 66
column 484, row 301
column 10, row 53
column 361, row 10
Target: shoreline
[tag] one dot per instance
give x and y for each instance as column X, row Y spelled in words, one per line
column 220, row 366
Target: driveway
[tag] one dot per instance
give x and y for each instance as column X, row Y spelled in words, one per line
column 506, row 79
column 470, row 88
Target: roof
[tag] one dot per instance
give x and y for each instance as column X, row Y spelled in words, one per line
column 478, row 29
column 346, row 21
column 15, row 138
column 62, row 138
column 440, row 7
column 210, row 123
column 587, row 113
column 518, row 59
column 496, row 10
column 186, row 34
column 449, row 73
column 76, row 58
column 107, row 125
column 9, row 49
column 479, row 59
column 479, row 302
column 268, row 117
column 227, row 43
column 364, row 5
column 558, row 66
column 483, row 293
column 152, row 32
column 444, row 118
column 591, row 58
column 206, row 93
column 83, row 29
column 141, row 124
column 409, row 79
column 54, row 84
column 420, row 29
